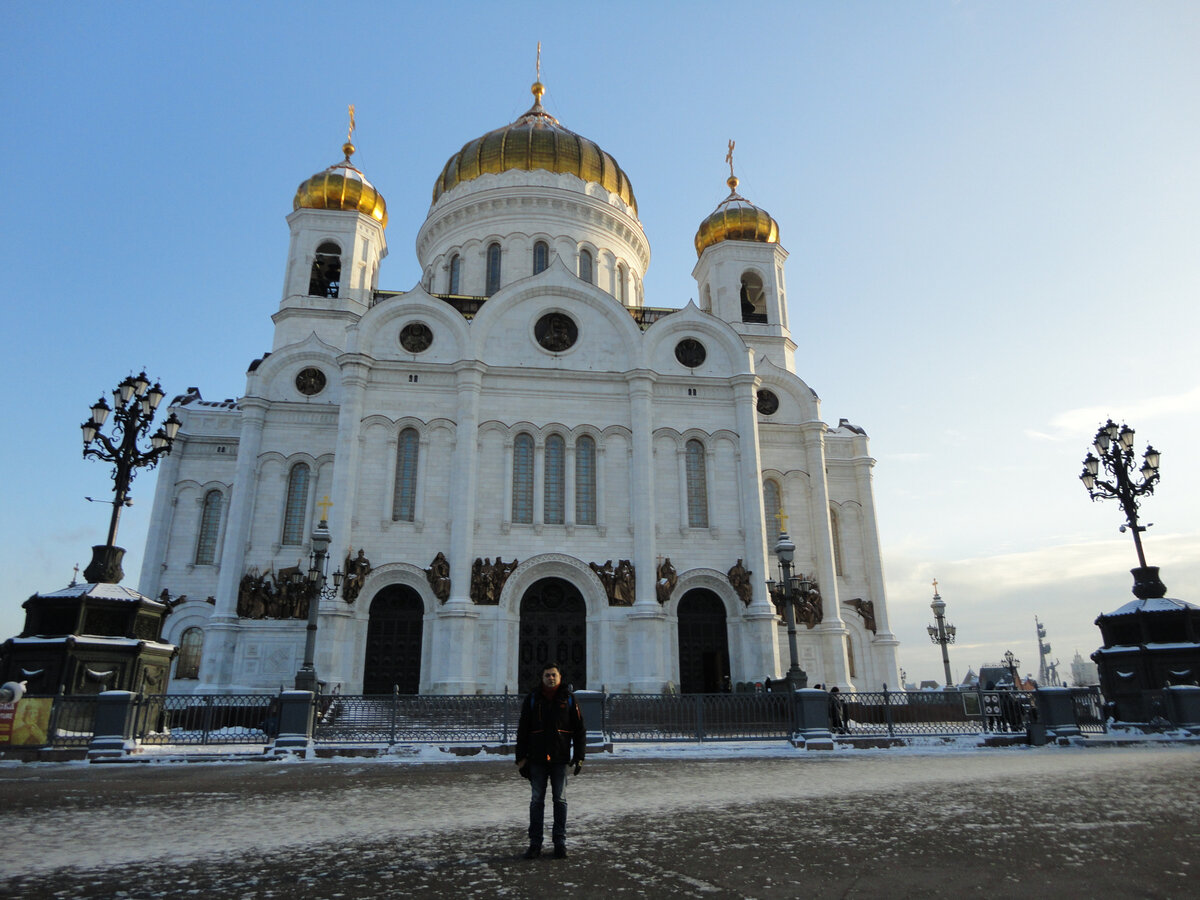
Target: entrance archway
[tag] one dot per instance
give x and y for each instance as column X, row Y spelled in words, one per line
column 553, row 629
column 703, row 643
column 393, row 654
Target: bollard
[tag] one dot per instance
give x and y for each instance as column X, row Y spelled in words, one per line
column 295, row 723
column 112, row 733
column 812, row 719
column 1056, row 712
column 1183, row 706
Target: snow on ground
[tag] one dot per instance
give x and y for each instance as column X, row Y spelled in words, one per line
column 186, row 813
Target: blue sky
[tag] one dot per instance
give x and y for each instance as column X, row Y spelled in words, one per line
column 991, row 209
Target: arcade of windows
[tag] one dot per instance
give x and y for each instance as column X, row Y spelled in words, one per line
column 772, row 503
column 493, row 270
column 559, row 469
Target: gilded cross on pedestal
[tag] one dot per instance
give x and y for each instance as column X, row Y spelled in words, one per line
column 325, row 504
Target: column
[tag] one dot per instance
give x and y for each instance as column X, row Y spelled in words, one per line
column 337, row 638
column 647, row 633
column 760, row 650
column 832, row 630
column 884, row 644
column 220, row 639
column 161, row 519
column 454, row 659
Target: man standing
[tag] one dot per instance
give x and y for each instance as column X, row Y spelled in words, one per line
column 550, row 735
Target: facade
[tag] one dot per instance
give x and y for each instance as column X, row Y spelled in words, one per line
column 518, row 459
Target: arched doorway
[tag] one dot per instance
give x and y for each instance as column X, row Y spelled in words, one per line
column 393, row 655
column 703, row 643
column 553, row 629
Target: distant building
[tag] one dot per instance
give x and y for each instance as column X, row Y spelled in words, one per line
column 1083, row 672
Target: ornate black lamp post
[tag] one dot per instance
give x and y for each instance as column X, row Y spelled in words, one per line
column 794, row 589
column 1012, row 662
column 314, row 582
column 941, row 633
column 134, row 404
column 1114, row 451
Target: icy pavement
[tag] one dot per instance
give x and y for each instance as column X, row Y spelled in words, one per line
column 718, row 822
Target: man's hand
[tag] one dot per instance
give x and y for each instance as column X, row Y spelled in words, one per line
column 578, row 766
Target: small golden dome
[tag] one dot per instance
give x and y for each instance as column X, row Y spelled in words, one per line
column 736, row 219
column 342, row 186
column 535, row 141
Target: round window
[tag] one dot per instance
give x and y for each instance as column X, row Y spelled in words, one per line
column 556, row 332
column 310, row 381
column 690, row 352
column 768, row 403
column 415, row 337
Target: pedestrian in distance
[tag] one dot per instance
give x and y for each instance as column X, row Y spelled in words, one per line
column 837, row 711
column 550, row 736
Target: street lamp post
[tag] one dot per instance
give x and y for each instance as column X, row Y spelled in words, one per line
column 314, row 582
column 1012, row 662
column 794, row 589
column 1114, row 450
column 941, row 633
column 134, row 405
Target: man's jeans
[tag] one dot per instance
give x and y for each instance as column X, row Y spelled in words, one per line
column 539, row 774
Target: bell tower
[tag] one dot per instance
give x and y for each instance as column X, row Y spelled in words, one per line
column 740, row 273
column 337, row 238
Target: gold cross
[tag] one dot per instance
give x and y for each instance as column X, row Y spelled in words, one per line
column 350, row 132
column 325, row 504
column 539, row 62
column 781, row 516
column 935, row 585
column 729, row 157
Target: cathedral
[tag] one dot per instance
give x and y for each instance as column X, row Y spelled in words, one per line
column 518, row 460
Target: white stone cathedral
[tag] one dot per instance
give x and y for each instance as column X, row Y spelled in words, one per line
column 517, row 459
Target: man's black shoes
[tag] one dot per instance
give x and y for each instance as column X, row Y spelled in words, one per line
column 560, row 850
column 534, row 851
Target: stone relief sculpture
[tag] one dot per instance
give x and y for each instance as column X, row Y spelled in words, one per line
column 438, row 575
column 739, row 580
column 357, row 569
column 667, row 579
column 607, row 578
column 624, row 584
column 273, row 595
column 866, row 609
column 488, row 578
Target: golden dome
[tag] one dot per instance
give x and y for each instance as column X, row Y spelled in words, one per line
column 535, row 141
column 736, row 219
column 342, row 186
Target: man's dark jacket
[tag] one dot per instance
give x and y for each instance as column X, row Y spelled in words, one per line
column 549, row 728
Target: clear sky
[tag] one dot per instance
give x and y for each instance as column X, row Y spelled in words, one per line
column 992, row 211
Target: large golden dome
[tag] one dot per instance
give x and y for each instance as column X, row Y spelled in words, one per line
column 736, row 219
column 342, row 186
column 535, row 141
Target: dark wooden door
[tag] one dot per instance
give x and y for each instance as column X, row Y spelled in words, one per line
column 393, row 655
column 703, row 643
column 553, row 629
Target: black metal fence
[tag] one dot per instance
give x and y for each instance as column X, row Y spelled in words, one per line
column 182, row 719
column 253, row 719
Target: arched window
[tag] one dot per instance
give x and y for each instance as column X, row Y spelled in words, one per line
column 556, row 466
column 771, row 511
column 297, row 504
column 850, row 657
column 697, row 486
column 522, row 504
column 585, row 266
column 455, row 274
column 404, row 502
column 622, row 277
column 191, row 647
column 754, row 299
column 541, row 257
column 835, row 529
column 585, row 481
column 326, row 273
column 493, row 269
column 210, row 523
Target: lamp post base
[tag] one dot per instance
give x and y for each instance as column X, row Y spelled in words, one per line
column 306, row 680
column 1146, row 583
column 797, row 678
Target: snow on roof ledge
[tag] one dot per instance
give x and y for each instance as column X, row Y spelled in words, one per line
column 1155, row 604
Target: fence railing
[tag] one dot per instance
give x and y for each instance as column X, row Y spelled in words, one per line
column 181, row 720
